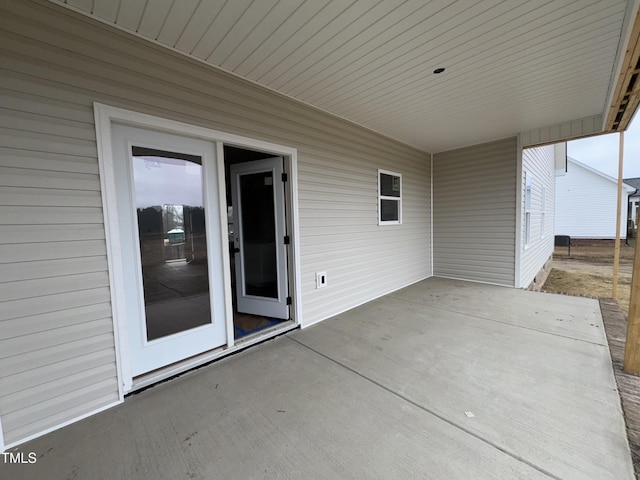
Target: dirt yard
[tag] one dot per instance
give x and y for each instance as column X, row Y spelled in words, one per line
column 588, row 271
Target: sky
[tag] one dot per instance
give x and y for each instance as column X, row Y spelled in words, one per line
column 167, row 181
column 601, row 152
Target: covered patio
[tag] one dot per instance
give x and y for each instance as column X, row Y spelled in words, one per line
column 443, row 379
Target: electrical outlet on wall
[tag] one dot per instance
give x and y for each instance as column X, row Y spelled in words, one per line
column 321, row 279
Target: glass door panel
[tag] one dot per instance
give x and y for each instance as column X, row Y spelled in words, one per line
column 259, row 235
column 170, row 210
column 260, row 257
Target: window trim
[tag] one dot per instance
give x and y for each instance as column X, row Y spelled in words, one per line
column 528, row 193
column 543, row 209
column 385, row 197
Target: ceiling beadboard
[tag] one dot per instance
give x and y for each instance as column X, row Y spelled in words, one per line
column 511, row 66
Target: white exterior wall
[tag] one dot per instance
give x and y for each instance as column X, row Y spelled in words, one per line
column 586, row 203
column 474, row 212
column 539, row 163
column 57, row 352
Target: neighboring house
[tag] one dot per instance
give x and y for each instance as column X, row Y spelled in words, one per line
column 586, row 204
column 168, row 172
column 633, row 200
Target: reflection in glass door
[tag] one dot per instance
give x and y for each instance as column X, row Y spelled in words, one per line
column 170, row 210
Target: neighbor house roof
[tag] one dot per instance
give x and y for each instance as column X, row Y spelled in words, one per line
column 628, row 188
column 549, row 70
column 635, row 183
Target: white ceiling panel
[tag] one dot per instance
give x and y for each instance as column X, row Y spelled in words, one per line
column 130, row 14
column 241, row 30
column 105, row 10
column 203, row 16
column 279, row 35
column 176, row 21
column 220, row 26
column 85, row 5
column 259, row 34
column 154, row 18
column 511, row 65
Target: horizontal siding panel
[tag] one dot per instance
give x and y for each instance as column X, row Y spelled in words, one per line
column 456, row 228
column 19, row 80
column 49, row 233
column 21, row 197
column 22, row 177
column 11, row 157
column 395, row 235
column 40, row 142
column 474, row 212
column 330, row 235
column 324, row 167
column 40, row 358
column 56, row 371
column 22, row 345
column 460, row 270
column 32, row 396
column 49, row 321
column 484, row 266
column 47, row 286
column 49, row 215
column 471, row 245
column 352, row 256
column 17, row 271
column 51, row 303
column 40, row 123
column 50, row 251
column 61, row 409
column 21, row 102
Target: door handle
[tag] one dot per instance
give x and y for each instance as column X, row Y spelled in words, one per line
column 236, row 250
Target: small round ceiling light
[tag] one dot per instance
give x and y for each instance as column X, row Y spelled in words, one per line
column 438, row 70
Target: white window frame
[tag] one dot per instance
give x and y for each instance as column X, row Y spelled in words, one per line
column 528, row 187
column 385, row 197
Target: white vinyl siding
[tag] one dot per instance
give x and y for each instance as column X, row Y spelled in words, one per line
column 474, row 212
column 538, row 165
column 57, row 357
column 586, row 203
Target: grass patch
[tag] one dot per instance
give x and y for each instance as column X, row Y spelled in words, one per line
column 588, row 284
column 597, row 254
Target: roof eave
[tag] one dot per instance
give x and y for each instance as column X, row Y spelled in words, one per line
column 625, row 97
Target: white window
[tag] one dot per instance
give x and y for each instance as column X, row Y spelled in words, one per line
column 389, row 198
column 528, row 181
column 543, row 208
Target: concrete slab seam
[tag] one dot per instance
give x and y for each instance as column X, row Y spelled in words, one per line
column 425, row 409
column 501, row 322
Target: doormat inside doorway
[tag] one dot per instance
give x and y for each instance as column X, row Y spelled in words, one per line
column 245, row 324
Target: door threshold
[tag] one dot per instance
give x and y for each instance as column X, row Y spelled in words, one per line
column 179, row 368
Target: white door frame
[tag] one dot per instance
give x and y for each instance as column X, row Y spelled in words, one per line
column 105, row 115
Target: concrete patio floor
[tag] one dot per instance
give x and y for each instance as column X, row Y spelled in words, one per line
column 442, row 380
